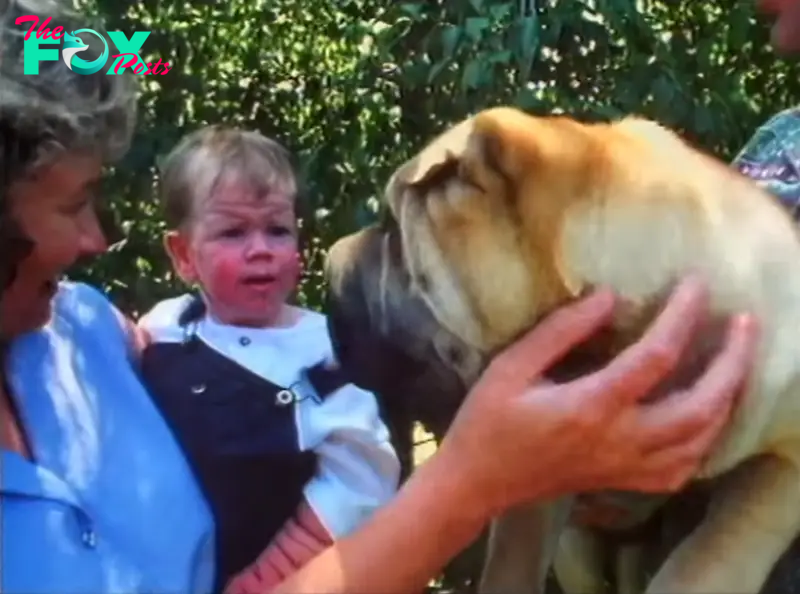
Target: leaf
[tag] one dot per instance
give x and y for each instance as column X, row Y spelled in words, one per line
column 503, row 57
column 663, row 91
column 527, row 99
column 470, row 78
column 703, row 120
column 450, row 37
column 475, row 26
column 436, row 70
column 607, row 111
column 477, row 5
column 500, row 12
column 529, row 44
column 413, row 10
column 364, row 215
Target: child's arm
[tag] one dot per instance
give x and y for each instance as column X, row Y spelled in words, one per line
column 358, row 472
column 358, row 469
column 301, row 539
column 137, row 337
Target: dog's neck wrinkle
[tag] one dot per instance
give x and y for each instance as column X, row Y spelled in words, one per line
column 601, row 349
column 629, row 324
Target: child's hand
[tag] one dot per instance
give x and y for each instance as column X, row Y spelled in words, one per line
column 138, row 337
column 301, row 539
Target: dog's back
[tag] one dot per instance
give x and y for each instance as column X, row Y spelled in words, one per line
column 668, row 209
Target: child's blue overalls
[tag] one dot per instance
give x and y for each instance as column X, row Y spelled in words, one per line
column 239, row 434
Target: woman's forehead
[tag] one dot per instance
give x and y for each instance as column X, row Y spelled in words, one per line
column 59, row 180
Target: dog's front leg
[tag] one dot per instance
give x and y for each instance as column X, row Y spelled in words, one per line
column 753, row 517
column 578, row 563
column 521, row 546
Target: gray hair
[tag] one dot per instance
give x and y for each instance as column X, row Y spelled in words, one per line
column 43, row 115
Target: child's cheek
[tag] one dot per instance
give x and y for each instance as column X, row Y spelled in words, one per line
column 291, row 269
column 296, row 266
column 225, row 273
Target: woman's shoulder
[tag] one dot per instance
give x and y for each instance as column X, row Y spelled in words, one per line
column 72, row 295
column 82, row 316
column 84, row 308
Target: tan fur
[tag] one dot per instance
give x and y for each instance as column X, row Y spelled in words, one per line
column 506, row 216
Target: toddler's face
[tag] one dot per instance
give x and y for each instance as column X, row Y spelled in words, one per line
column 243, row 251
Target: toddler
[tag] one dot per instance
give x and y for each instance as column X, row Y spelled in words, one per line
column 289, row 455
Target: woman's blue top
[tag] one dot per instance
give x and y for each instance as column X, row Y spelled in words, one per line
column 109, row 504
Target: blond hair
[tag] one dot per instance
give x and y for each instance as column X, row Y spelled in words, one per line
column 206, row 157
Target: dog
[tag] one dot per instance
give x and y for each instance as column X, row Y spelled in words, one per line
column 506, row 216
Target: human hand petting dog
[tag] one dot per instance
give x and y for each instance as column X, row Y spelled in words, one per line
column 594, row 433
column 519, row 439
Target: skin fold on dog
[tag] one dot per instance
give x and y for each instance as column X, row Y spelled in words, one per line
column 506, row 216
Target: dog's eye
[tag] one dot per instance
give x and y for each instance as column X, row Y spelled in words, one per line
column 423, row 282
column 455, row 355
column 466, row 177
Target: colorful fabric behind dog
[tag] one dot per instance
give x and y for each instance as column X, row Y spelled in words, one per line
column 772, row 158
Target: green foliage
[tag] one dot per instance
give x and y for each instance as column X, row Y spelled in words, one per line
column 307, row 76
column 353, row 87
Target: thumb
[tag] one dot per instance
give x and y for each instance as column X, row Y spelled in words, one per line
column 551, row 339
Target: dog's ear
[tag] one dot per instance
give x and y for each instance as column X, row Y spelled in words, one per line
column 440, row 158
column 461, row 152
column 436, row 162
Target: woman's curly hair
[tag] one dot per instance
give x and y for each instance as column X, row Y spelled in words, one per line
column 43, row 115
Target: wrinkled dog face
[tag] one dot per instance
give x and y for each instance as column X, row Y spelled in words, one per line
column 387, row 338
column 481, row 211
column 467, row 259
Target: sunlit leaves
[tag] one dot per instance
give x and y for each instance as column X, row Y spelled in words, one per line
column 355, row 86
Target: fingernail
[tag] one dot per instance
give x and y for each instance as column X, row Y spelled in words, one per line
column 602, row 298
column 603, row 294
column 693, row 281
column 744, row 324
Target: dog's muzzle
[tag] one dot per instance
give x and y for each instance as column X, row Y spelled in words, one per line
column 383, row 335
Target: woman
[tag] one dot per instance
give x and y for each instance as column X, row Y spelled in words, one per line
column 95, row 496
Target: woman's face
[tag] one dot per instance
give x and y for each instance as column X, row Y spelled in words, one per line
column 56, row 212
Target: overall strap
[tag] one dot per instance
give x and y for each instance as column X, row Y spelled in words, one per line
column 325, row 378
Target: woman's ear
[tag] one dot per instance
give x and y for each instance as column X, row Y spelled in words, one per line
column 177, row 246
